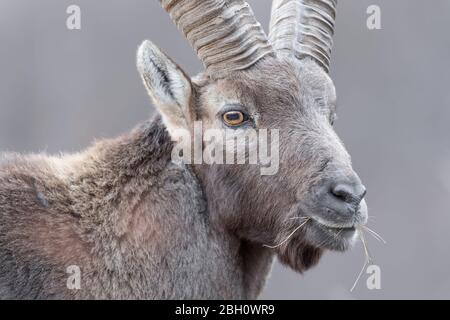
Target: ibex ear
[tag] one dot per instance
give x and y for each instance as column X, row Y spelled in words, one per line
column 167, row 85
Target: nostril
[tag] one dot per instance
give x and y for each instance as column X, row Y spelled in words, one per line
column 349, row 193
column 342, row 193
column 363, row 194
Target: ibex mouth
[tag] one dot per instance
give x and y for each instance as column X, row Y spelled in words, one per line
column 331, row 236
column 334, row 225
column 333, row 232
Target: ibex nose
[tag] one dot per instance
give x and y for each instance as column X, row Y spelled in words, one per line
column 342, row 194
column 351, row 192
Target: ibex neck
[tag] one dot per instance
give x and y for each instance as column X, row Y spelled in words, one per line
column 254, row 260
column 141, row 183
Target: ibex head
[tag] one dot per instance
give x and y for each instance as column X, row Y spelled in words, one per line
column 276, row 83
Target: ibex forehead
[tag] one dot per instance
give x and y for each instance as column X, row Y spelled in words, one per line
column 284, row 82
column 215, row 95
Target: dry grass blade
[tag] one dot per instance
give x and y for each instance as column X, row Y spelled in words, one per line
column 366, row 249
column 359, row 277
column 298, row 218
column 368, row 260
column 289, row 236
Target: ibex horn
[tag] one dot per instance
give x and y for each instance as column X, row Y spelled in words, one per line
column 224, row 33
column 304, row 28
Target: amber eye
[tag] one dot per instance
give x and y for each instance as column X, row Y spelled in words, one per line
column 234, row 118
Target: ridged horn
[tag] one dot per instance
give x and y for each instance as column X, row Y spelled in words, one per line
column 224, row 33
column 304, row 28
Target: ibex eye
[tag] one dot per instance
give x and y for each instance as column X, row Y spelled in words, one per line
column 234, row 118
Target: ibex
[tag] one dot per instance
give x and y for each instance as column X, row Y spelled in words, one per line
column 140, row 226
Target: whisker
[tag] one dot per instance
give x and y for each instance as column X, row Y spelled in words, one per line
column 329, row 236
column 374, row 234
column 288, row 237
column 338, row 234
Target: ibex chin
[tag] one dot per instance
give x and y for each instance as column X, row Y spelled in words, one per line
column 140, row 226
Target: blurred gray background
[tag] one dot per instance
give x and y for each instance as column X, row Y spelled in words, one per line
column 60, row 89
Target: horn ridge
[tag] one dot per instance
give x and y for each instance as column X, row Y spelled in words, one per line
column 304, row 28
column 224, row 33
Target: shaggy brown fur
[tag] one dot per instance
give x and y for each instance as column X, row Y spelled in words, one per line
column 135, row 224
